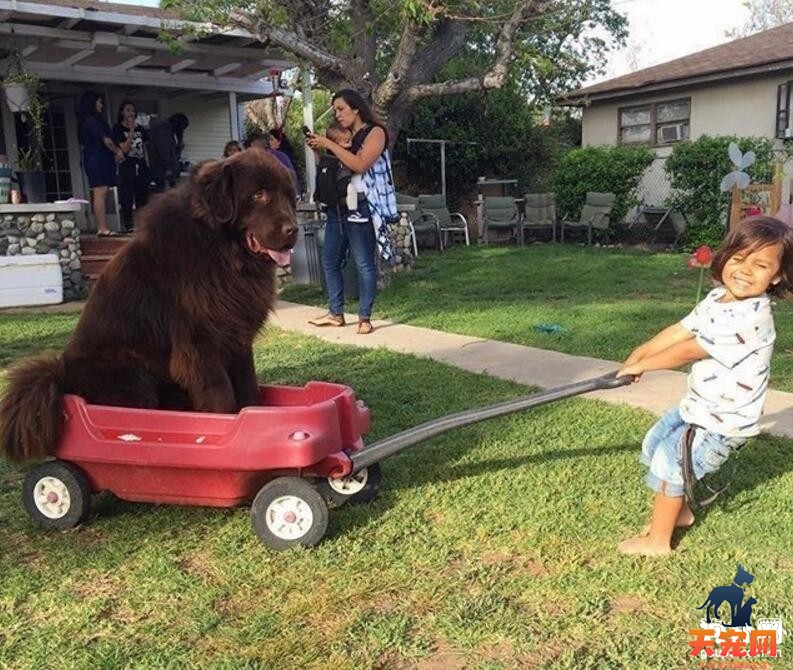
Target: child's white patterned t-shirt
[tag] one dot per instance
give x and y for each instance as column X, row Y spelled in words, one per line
column 726, row 391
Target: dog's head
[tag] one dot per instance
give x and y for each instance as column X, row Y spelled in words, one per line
column 743, row 577
column 251, row 196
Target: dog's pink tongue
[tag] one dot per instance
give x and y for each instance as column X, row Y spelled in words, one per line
column 283, row 258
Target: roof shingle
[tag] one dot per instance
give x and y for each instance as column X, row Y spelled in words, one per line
column 769, row 47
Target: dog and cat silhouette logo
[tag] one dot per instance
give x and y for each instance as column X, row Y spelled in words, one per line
column 726, row 631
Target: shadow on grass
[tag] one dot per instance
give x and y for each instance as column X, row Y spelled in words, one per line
column 763, row 460
column 478, row 468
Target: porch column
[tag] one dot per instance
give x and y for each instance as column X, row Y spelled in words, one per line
column 234, row 117
column 308, row 120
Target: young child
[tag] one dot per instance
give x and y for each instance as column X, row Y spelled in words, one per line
column 343, row 137
column 730, row 335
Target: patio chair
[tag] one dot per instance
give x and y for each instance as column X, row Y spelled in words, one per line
column 539, row 213
column 656, row 224
column 594, row 214
column 449, row 223
column 500, row 213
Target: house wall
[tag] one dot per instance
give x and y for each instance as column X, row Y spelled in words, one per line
column 737, row 108
column 743, row 108
column 209, row 129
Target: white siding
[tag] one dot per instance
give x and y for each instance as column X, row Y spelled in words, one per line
column 737, row 108
column 209, row 129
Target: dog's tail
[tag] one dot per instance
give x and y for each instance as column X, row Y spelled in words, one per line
column 31, row 411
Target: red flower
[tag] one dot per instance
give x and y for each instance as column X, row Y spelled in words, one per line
column 701, row 258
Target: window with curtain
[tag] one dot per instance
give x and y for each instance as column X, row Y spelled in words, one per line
column 655, row 123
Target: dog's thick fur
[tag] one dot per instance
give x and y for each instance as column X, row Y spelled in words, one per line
column 171, row 321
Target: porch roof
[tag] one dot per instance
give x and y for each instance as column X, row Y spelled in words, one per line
column 107, row 43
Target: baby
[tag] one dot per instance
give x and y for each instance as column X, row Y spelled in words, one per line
column 343, row 137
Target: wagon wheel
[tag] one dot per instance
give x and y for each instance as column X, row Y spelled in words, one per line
column 56, row 495
column 361, row 487
column 288, row 511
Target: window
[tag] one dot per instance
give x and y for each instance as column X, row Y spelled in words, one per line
column 783, row 126
column 657, row 123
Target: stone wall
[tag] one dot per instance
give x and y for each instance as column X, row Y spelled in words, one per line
column 403, row 245
column 46, row 233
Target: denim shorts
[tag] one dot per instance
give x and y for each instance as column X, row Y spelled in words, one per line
column 663, row 456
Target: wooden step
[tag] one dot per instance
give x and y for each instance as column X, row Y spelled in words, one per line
column 91, row 245
column 93, row 265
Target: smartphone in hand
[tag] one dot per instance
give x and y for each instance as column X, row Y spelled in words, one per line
column 307, row 132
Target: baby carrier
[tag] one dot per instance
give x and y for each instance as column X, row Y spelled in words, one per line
column 333, row 178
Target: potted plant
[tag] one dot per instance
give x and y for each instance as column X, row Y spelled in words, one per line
column 30, row 157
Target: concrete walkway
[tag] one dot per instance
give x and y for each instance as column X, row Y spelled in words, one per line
column 657, row 392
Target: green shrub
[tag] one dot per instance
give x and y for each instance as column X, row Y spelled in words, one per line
column 695, row 170
column 615, row 170
column 509, row 143
column 696, row 235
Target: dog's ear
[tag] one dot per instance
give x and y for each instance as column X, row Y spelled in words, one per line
column 214, row 184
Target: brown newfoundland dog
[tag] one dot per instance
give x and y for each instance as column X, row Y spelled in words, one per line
column 171, row 321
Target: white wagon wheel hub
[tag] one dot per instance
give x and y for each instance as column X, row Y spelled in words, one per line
column 51, row 497
column 351, row 485
column 289, row 517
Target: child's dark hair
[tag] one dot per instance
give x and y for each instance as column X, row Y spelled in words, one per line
column 231, row 147
column 752, row 234
column 253, row 138
column 335, row 129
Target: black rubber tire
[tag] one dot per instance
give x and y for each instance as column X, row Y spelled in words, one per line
column 336, row 498
column 292, row 494
column 70, row 479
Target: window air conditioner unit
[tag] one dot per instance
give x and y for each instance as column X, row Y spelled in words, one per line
column 673, row 133
column 788, row 133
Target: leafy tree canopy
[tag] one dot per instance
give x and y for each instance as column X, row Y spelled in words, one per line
column 763, row 14
column 399, row 52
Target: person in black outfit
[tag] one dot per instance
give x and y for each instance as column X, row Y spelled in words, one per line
column 165, row 150
column 133, row 172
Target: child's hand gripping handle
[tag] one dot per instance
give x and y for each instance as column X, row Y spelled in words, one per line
column 611, row 381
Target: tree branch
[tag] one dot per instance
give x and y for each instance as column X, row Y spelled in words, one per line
column 363, row 37
column 290, row 41
column 447, row 40
column 497, row 74
column 393, row 84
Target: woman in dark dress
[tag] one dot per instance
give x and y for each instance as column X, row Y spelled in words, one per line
column 133, row 172
column 100, row 155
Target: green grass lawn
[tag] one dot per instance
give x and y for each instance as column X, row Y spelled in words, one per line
column 607, row 300
column 489, row 547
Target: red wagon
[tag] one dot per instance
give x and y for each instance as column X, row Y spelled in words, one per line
column 290, row 456
column 294, row 456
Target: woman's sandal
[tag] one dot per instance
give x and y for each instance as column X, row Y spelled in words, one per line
column 365, row 327
column 328, row 319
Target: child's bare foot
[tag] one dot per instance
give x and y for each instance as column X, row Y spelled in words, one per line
column 642, row 545
column 684, row 520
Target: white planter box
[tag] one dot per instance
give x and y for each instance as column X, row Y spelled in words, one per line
column 30, row 280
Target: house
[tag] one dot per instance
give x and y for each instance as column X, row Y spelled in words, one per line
column 743, row 87
column 115, row 50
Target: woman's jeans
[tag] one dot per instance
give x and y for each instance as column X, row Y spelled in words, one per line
column 340, row 235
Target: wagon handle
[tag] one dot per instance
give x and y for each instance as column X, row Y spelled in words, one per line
column 389, row 446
